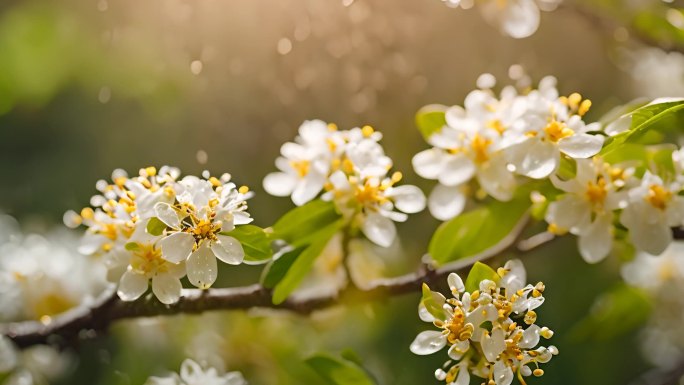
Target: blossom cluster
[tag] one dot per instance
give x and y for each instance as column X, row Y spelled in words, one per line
column 493, row 143
column 662, row 278
column 191, row 373
column 351, row 168
column 39, row 364
column 156, row 227
column 515, row 18
column 490, row 333
column 36, row 274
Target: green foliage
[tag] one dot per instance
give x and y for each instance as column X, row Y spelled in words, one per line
column 655, row 26
column 255, row 241
column 615, row 313
column 478, row 273
column 430, row 119
column 155, row 227
column 433, row 302
column 648, row 126
column 478, row 230
column 303, row 263
column 276, row 270
column 339, row 371
column 300, row 225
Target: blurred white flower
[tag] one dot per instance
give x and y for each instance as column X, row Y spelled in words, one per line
column 35, row 365
column 191, row 373
column 515, row 18
column 654, row 207
column 656, row 73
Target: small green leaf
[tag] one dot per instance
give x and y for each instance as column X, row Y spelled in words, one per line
column 661, row 160
column 568, row 168
column 155, row 226
column 478, row 230
column 478, row 273
column 255, row 241
column 304, row 262
column 337, row 371
column 615, row 313
column 132, row 246
column 276, row 270
column 298, row 225
column 433, row 302
column 430, row 119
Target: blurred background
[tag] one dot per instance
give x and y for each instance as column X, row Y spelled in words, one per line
column 88, row 86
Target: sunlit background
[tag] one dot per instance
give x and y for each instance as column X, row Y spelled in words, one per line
column 90, row 86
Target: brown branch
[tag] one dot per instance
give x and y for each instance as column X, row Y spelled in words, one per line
column 88, row 321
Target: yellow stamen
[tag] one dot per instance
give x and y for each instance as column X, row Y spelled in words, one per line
column 658, row 196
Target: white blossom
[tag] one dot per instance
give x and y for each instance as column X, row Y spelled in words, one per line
column 191, row 373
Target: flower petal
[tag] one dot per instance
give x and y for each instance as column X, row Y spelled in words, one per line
column 455, row 283
column 308, row 188
column 202, row 268
column 493, row 344
column 166, row 288
column 596, row 242
column 409, row 199
column 446, row 202
column 379, row 230
column 279, row 184
column 581, row 146
column 457, row 170
column 429, row 163
column 428, row 342
column 177, row 247
column 228, row 250
column 167, row 214
column 132, row 286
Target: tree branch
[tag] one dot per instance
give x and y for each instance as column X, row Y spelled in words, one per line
column 89, row 320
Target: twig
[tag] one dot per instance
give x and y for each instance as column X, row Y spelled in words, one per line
column 87, row 321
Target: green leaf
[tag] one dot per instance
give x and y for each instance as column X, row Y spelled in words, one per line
column 478, row 230
column 297, row 226
column 337, row 371
column 568, row 168
column 276, row 270
column 478, row 273
column 132, row 246
column 659, row 118
column 255, row 241
column 155, row 226
column 304, row 262
column 433, row 302
column 660, row 159
column 615, row 313
column 431, row 119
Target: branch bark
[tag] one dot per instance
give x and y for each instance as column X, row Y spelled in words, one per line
column 89, row 320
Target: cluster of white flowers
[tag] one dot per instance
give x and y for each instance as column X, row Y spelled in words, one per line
column 490, row 333
column 36, row 274
column 32, row 366
column 159, row 228
column 662, row 277
column 191, row 373
column 515, row 18
column 492, row 139
column 353, row 170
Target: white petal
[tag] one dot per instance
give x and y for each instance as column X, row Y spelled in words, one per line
column 170, row 380
column 379, row 230
column 520, row 19
column 455, row 283
column 424, row 314
column 428, row 342
column 515, row 278
column 308, row 188
column 202, row 268
column 530, row 337
column 429, row 163
column 651, row 238
column 167, row 214
column 568, row 212
column 463, row 377
column 581, row 145
column 409, row 199
column 493, row 344
column 191, row 371
column 503, row 375
column 228, row 250
column 457, row 350
column 596, row 242
column 279, row 184
column 457, row 170
column 166, row 288
column 132, row 286
column 496, row 180
column 177, row 247
column 446, row 202
column 534, row 158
